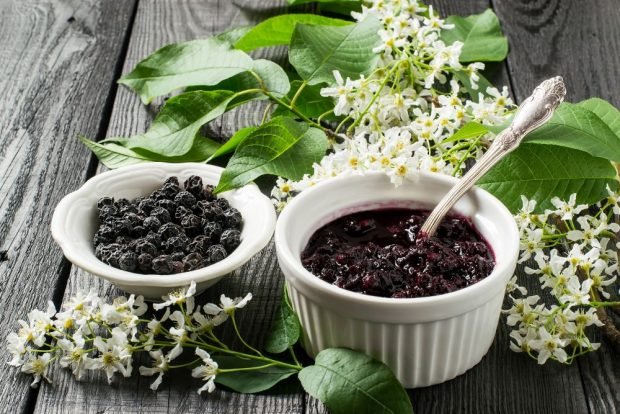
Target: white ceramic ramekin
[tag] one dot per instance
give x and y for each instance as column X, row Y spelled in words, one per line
column 75, row 221
column 424, row 341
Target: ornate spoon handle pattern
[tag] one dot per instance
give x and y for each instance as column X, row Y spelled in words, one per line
column 533, row 112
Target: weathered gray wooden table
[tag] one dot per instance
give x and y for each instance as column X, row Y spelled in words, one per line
column 59, row 60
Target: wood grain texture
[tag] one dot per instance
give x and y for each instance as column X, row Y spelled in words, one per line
column 158, row 23
column 58, row 60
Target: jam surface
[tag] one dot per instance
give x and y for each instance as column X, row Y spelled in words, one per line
column 375, row 252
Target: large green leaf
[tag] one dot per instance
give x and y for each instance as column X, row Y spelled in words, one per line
column 249, row 382
column 574, row 126
column 265, row 75
column 285, row 329
column 352, row 382
column 316, row 51
column 541, row 172
column 280, row 147
column 279, row 29
column 179, row 65
column 232, row 144
column 113, row 155
column 481, row 35
column 309, row 102
column 608, row 113
column 174, row 130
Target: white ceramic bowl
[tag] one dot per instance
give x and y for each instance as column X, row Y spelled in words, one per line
column 426, row 340
column 75, row 221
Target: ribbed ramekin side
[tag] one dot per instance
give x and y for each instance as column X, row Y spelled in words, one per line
column 419, row 354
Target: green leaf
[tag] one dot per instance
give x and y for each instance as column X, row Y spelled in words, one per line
column 279, row 29
column 271, row 78
column 176, row 127
column 608, row 113
column 316, row 51
column 197, row 62
column 234, row 141
column 468, row 131
column 352, row 382
column 233, row 35
column 309, row 102
column 481, row 35
column 285, row 329
column 113, row 155
column 575, row 127
column 541, row 172
column 280, row 147
column 249, row 382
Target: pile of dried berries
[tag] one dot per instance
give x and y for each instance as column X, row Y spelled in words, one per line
column 171, row 231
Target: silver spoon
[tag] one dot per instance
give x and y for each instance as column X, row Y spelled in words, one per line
column 533, row 112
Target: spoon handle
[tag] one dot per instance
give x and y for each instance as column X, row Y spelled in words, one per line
column 533, row 112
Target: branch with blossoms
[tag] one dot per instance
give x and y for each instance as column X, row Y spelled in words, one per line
column 90, row 335
column 574, row 255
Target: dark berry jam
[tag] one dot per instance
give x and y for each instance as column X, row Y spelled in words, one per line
column 375, row 252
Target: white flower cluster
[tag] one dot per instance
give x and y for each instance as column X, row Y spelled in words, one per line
column 576, row 280
column 89, row 334
column 401, row 117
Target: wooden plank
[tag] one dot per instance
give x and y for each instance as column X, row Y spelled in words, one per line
column 158, row 23
column 58, row 62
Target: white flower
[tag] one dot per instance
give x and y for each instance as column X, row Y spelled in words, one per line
column 160, row 365
column 115, row 354
column 207, row 371
column 512, row 286
column 206, row 323
column 567, row 209
column 75, row 356
column 178, row 297
column 343, row 91
column 548, row 345
column 532, row 244
column 227, row 305
column 577, row 293
column 154, row 328
column 179, row 334
column 522, row 312
column 16, row 345
column 522, row 342
column 37, row 365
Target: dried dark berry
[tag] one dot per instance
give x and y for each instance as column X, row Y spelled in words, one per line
column 192, row 224
column 144, row 246
column 177, row 256
column 129, row 208
column 233, row 218
column 176, row 243
column 168, row 205
column 172, row 180
column 194, row 185
column 185, row 198
column 177, row 267
column 122, row 227
column 216, row 253
column 103, row 251
column 153, row 238
column 161, row 214
column 107, row 211
column 105, row 201
column 222, row 203
column 145, row 262
column 230, row 239
column 181, row 212
column 133, row 218
column 106, row 232
column 169, row 230
column 208, row 192
column 122, row 240
column 211, row 211
column 151, row 223
column 200, row 244
column 158, row 195
column 128, row 261
column 192, row 261
column 147, row 205
column 138, row 231
column 162, row 265
column 212, row 231
column 170, row 190
column 121, row 202
column 114, row 257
